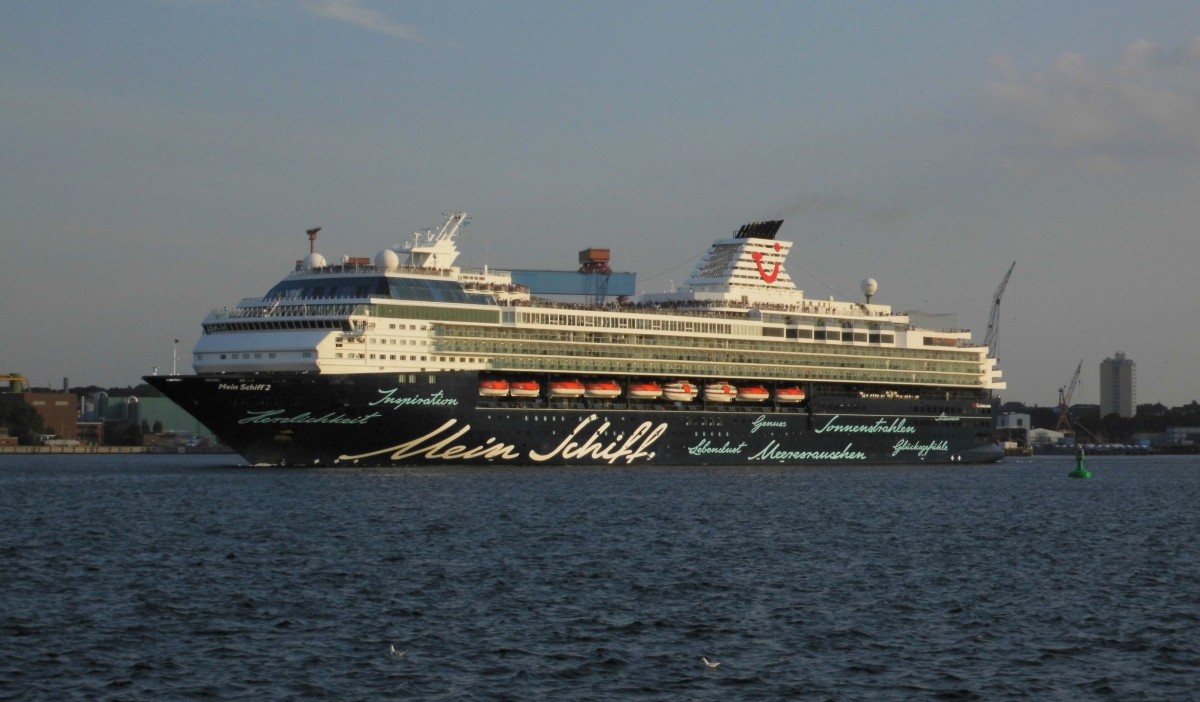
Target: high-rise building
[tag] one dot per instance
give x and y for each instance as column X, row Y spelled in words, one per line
column 1118, row 386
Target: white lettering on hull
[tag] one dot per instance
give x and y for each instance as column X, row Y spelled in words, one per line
column 920, row 449
column 590, row 440
column 773, row 452
column 439, row 444
column 761, row 422
column 705, row 448
column 257, row 387
column 274, row 417
column 630, row 450
column 443, row 448
column 389, row 398
column 898, row 425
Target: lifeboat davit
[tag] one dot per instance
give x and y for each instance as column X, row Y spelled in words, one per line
column 789, row 395
column 493, row 388
column 645, row 391
column 602, row 390
column 753, row 393
column 524, row 388
column 680, row 391
column 566, row 388
column 719, row 392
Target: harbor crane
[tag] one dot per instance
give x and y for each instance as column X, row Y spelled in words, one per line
column 993, row 327
column 1064, row 402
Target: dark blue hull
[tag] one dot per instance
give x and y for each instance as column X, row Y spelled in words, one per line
column 422, row 419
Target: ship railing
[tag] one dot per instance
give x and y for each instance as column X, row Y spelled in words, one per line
column 485, row 272
column 701, row 308
column 265, row 302
column 318, row 308
column 474, row 286
column 343, row 268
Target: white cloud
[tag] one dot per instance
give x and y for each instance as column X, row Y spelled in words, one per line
column 350, row 12
column 1140, row 53
column 1103, row 118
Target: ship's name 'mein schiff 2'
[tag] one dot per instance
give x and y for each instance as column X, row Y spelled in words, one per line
column 407, row 359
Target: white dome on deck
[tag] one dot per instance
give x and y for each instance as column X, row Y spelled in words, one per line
column 314, row 260
column 869, row 288
column 387, row 260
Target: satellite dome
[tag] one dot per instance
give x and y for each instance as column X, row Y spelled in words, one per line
column 387, row 260
column 869, row 286
column 313, row 261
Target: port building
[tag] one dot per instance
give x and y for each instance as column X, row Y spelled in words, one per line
column 1118, row 386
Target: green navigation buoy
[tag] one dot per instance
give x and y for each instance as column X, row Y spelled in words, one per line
column 1081, row 470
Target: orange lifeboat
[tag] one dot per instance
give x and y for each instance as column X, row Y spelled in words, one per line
column 645, row 391
column 602, row 390
column 792, row 394
column 566, row 388
column 680, row 391
column 753, row 393
column 719, row 392
column 493, row 388
column 524, row 388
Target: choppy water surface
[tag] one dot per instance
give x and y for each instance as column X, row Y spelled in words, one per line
column 142, row 577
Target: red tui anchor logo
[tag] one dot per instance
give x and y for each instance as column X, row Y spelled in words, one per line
column 762, row 272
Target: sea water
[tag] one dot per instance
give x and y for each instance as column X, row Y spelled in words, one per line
column 176, row 577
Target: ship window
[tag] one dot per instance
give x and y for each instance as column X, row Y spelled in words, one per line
column 434, row 291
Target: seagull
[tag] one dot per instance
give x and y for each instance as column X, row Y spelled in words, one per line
column 711, row 665
column 394, row 653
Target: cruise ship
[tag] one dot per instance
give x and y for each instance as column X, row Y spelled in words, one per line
column 409, row 360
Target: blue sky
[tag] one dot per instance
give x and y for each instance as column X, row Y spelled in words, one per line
column 160, row 158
